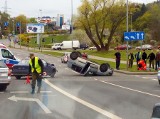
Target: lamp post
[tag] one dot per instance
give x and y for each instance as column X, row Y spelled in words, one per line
column 131, row 21
column 72, row 20
column 127, row 29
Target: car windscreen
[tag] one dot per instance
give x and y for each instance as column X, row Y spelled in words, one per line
column 2, row 64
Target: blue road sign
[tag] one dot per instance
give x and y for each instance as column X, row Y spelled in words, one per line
column 5, row 23
column 18, row 24
column 128, row 36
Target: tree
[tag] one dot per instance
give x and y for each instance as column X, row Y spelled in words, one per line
column 100, row 19
column 22, row 19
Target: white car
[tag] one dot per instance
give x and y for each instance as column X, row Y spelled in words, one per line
column 57, row 46
column 145, row 47
column 5, row 76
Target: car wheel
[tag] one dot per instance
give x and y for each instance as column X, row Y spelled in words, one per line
column 104, row 67
column 18, row 77
column 52, row 74
column 159, row 82
column 74, row 55
column 3, row 87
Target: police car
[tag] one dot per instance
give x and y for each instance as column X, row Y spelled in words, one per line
column 7, row 57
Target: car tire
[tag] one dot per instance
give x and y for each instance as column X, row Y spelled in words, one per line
column 52, row 74
column 3, row 87
column 18, row 77
column 104, row 67
column 74, row 55
column 159, row 82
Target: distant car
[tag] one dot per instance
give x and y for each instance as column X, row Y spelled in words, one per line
column 92, row 48
column 83, row 46
column 122, row 47
column 156, row 111
column 144, row 47
column 65, row 57
column 86, row 67
column 56, row 46
column 2, row 45
column 5, row 76
column 22, row 68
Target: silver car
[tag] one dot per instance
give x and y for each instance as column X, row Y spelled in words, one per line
column 86, row 67
column 5, row 76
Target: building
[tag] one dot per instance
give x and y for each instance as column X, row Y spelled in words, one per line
column 60, row 20
column 46, row 19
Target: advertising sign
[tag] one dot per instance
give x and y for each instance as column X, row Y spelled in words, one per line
column 35, row 28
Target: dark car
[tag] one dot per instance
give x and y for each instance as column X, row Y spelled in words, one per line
column 22, row 68
column 156, row 111
column 86, row 67
column 83, row 46
column 122, row 47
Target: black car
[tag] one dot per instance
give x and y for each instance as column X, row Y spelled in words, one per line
column 22, row 68
column 83, row 46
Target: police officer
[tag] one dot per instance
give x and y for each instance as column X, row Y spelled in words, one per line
column 36, row 68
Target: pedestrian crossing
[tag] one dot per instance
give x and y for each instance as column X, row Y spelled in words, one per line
column 149, row 77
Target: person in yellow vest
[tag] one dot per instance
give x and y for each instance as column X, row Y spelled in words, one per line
column 36, row 68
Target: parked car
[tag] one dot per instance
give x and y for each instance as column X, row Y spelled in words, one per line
column 22, row 68
column 92, row 48
column 83, row 46
column 123, row 47
column 156, row 111
column 5, row 76
column 65, row 57
column 144, row 47
column 86, row 67
column 57, row 46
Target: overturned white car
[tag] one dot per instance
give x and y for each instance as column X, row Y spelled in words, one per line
column 86, row 67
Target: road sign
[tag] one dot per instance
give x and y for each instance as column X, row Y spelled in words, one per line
column 5, row 23
column 18, row 24
column 128, row 36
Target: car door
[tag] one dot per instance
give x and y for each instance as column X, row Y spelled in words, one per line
column 47, row 67
column 8, row 58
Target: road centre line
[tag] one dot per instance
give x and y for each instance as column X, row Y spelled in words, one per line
column 134, row 90
column 29, row 92
column 91, row 106
column 154, row 79
column 1, row 92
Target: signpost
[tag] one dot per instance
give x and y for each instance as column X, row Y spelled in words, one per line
column 133, row 36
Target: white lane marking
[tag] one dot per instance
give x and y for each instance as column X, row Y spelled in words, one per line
column 1, row 92
column 66, row 68
column 59, row 65
column 29, row 92
column 154, row 79
column 134, row 90
column 14, row 98
column 91, row 106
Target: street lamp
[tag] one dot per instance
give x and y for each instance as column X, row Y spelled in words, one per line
column 131, row 20
column 72, row 20
column 127, row 29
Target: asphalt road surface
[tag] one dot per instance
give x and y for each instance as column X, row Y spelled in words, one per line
column 71, row 96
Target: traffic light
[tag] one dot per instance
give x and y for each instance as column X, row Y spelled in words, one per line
column 17, row 28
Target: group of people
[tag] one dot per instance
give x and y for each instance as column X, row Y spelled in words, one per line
column 141, row 59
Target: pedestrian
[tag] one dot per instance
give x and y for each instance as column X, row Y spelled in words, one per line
column 36, row 68
column 157, row 60
column 151, row 58
column 118, row 58
column 138, row 56
column 144, row 56
column 131, row 58
column 84, row 55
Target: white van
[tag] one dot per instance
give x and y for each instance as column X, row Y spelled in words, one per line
column 56, row 46
column 8, row 58
column 75, row 44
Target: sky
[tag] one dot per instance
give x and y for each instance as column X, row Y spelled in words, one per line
column 37, row 8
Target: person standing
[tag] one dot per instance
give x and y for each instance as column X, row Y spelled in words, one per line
column 131, row 58
column 144, row 56
column 157, row 60
column 118, row 58
column 36, row 68
column 151, row 58
column 138, row 56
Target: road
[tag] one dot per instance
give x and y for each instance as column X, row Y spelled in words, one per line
column 71, row 96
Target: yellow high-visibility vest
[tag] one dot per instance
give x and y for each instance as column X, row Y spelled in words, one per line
column 36, row 65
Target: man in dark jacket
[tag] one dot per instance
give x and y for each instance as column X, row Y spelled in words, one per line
column 144, row 56
column 151, row 58
column 36, row 68
column 118, row 58
column 157, row 60
column 131, row 58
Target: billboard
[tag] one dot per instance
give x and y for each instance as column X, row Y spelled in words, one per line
column 35, row 28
